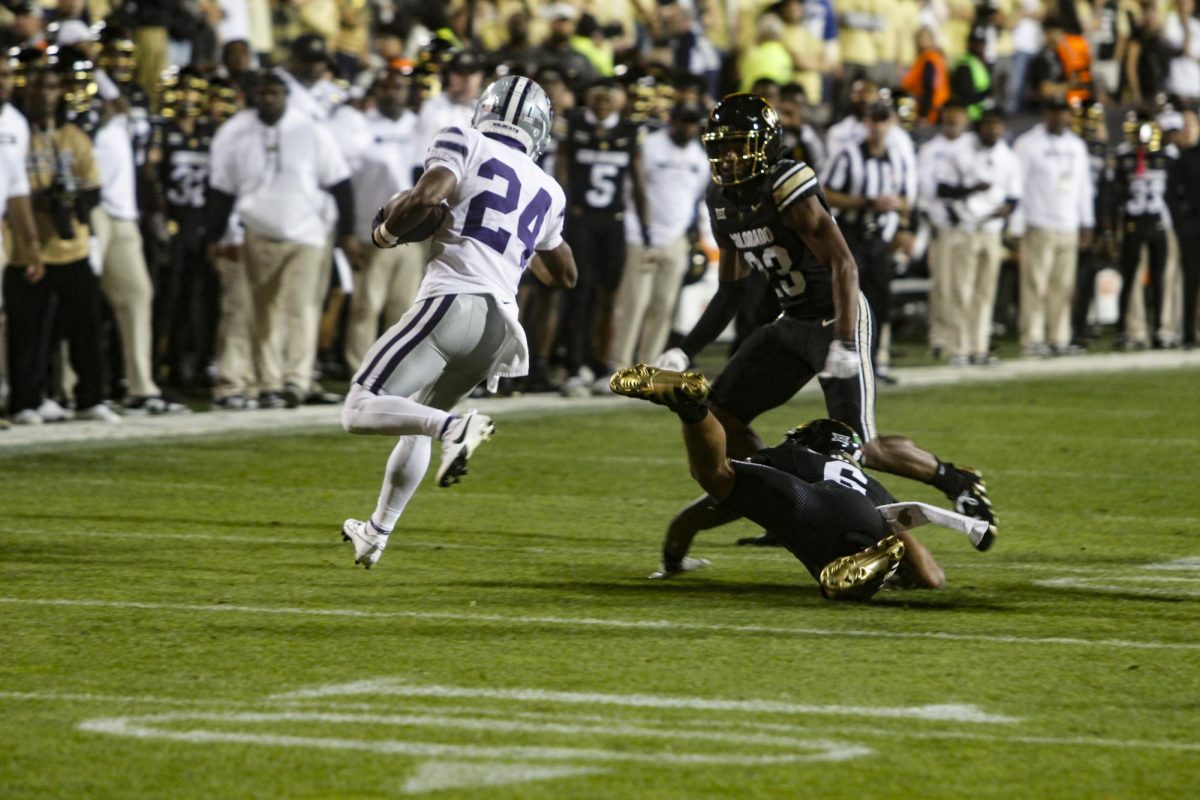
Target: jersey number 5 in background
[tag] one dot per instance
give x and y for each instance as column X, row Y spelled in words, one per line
column 529, row 224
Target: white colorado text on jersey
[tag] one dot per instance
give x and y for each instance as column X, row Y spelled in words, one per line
column 502, row 210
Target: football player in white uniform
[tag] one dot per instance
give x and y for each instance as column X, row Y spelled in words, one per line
column 491, row 212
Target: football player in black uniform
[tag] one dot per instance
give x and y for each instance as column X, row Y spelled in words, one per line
column 1089, row 123
column 769, row 214
column 831, row 524
column 1140, row 184
column 597, row 152
column 178, row 166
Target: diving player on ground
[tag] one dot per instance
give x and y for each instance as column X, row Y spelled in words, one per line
column 831, row 525
column 768, row 214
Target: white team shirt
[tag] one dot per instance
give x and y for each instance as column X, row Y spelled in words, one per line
column 1057, row 175
column 118, row 178
column 941, row 160
column 14, row 148
column 502, row 210
column 438, row 113
column 278, row 174
column 676, row 181
column 996, row 166
column 385, row 167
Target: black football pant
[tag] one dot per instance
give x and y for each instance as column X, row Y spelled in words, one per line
column 69, row 293
column 190, row 310
column 1189, row 261
column 598, row 243
column 817, row 522
column 1142, row 232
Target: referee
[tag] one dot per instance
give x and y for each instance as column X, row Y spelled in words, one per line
column 868, row 186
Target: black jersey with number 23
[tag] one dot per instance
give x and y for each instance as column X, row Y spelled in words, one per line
column 754, row 226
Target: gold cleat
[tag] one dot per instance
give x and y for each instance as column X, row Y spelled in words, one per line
column 662, row 386
column 859, row 576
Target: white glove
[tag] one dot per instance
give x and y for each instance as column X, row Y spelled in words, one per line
column 842, row 361
column 688, row 564
column 674, row 359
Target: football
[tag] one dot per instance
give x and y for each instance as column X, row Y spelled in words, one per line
column 425, row 228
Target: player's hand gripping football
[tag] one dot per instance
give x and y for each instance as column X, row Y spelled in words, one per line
column 673, row 359
column 842, row 361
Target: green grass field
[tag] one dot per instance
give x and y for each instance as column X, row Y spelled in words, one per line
column 181, row 619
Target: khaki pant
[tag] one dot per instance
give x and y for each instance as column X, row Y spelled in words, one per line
column 150, row 54
column 283, row 278
column 236, row 373
column 1048, row 263
column 976, row 271
column 386, row 284
column 941, row 261
column 1171, row 325
column 645, row 304
column 125, row 282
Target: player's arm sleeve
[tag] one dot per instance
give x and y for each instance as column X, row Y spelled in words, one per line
column 218, row 207
column 449, row 150
column 343, row 198
column 221, row 173
column 796, row 183
column 722, row 308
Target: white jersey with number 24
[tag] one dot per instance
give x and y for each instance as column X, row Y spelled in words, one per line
column 503, row 210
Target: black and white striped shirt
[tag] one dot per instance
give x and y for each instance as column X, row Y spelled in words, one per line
column 854, row 171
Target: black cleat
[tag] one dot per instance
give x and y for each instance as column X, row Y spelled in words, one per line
column 973, row 501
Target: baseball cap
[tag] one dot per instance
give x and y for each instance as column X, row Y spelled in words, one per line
column 879, row 112
column 465, row 61
column 557, row 11
column 309, row 47
column 688, row 112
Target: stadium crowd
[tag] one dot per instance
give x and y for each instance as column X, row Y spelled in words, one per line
column 191, row 183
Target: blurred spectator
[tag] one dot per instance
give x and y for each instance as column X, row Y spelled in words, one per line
column 798, row 140
column 1184, row 190
column 556, row 50
column 1056, row 217
column 927, row 79
column 991, row 190
column 806, row 49
column 1027, row 41
column 1140, row 188
column 861, row 22
column 65, row 185
column 463, row 78
column 124, row 276
column 592, row 41
column 677, row 177
column 1047, row 81
column 519, row 50
column 1148, row 60
column 971, row 78
column 942, row 181
column 691, row 51
column 386, row 280
column 275, row 165
column 1182, row 34
column 869, row 186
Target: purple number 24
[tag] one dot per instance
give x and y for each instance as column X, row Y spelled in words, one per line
column 529, row 224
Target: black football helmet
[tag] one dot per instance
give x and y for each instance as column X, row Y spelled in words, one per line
column 1141, row 130
column 742, row 139
column 829, row 437
column 183, row 91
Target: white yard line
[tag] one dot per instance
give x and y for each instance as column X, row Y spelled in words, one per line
column 327, row 417
column 395, row 687
column 148, row 727
column 591, row 622
column 1090, row 585
column 709, row 723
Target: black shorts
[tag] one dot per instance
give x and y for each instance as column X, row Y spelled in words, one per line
column 817, row 522
column 779, row 359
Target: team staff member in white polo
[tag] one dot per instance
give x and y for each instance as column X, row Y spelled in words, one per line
column 677, row 177
column 386, row 280
column 274, row 168
column 1057, row 216
column 124, row 277
column 454, row 107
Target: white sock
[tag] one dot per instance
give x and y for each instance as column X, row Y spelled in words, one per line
column 405, row 468
column 365, row 412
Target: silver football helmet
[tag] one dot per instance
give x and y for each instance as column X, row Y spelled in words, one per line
column 515, row 107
